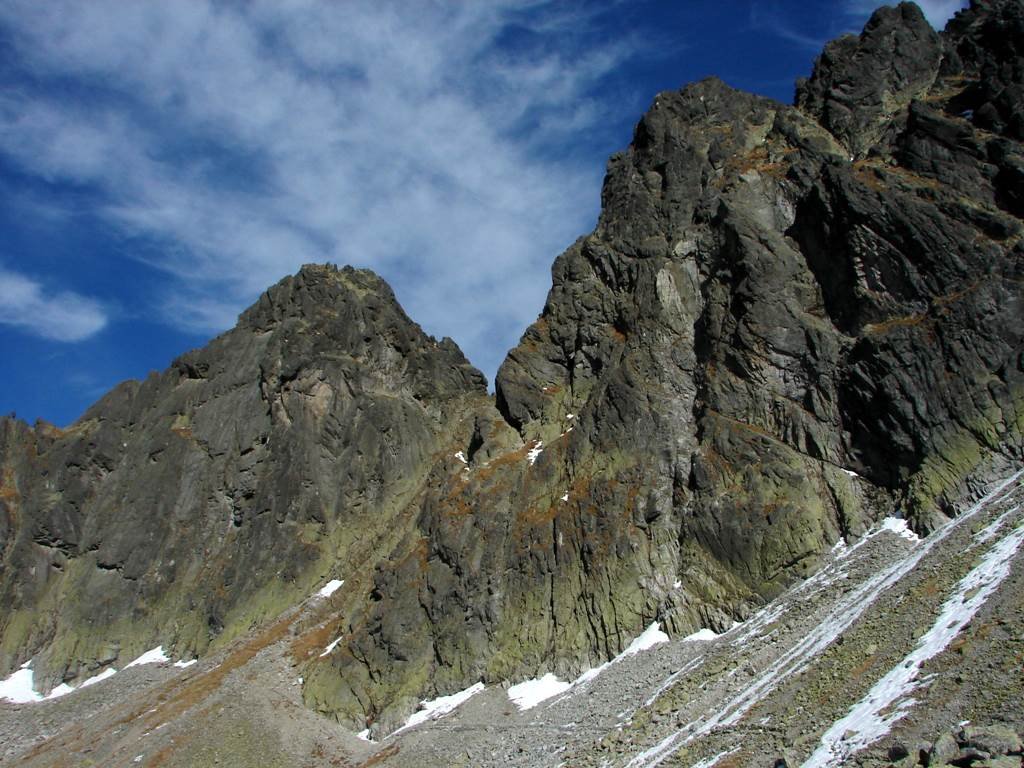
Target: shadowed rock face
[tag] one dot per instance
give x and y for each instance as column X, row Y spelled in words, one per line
column 774, row 298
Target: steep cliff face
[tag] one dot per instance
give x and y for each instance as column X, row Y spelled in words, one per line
column 181, row 509
column 788, row 321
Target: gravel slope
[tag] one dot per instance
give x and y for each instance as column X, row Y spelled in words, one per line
column 766, row 690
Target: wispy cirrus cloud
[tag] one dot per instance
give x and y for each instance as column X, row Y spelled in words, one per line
column 774, row 20
column 55, row 315
column 811, row 33
column 938, row 12
column 233, row 142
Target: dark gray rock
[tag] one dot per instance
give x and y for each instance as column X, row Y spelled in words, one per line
column 180, row 509
column 787, row 321
column 862, row 85
column 994, row 739
column 944, row 750
column 986, row 47
column 753, row 315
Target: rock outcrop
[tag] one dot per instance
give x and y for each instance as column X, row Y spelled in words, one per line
column 182, row 509
column 788, row 321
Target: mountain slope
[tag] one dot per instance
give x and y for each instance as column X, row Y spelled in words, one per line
column 182, row 509
column 790, row 322
column 775, row 334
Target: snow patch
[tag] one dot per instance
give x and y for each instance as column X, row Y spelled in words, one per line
column 537, row 450
column 667, row 683
column 18, row 687
column 330, row 588
column 154, row 656
column 565, row 496
column 182, row 664
column 649, row 638
column 536, row 691
column 461, row 457
column 365, row 736
column 898, row 526
column 866, row 723
column 713, row 761
column 530, row 693
column 435, row 708
column 849, row 472
column 701, row 635
column 677, row 584
column 108, row 672
column 990, row 530
column 61, row 690
column 570, row 415
column 331, row 647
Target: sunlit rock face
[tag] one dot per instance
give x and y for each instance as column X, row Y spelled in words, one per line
column 789, row 321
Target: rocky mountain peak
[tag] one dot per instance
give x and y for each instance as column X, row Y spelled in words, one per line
column 315, row 290
column 986, row 47
column 860, row 83
column 789, row 322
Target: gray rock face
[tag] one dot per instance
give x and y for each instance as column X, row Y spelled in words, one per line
column 788, row 321
column 755, row 319
column 183, row 508
column 861, row 86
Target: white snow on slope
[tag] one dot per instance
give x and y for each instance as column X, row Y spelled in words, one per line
column 701, row 635
column 433, row 709
column 534, row 452
column 18, row 688
column 530, row 693
column 108, row 672
column 713, row 761
column 899, row 526
column 154, row 656
column 61, row 690
column 182, row 664
column 866, row 722
column 649, row 638
column 331, row 647
column 843, row 614
column 990, row 530
column 461, row 457
column 330, row 588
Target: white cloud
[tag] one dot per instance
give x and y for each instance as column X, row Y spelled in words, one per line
column 236, row 142
column 61, row 316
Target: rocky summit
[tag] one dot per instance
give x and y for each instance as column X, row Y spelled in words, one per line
column 794, row 331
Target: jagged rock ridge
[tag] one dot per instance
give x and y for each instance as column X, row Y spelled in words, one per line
column 183, row 508
column 788, row 320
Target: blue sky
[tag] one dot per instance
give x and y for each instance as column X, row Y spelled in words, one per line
column 163, row 163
